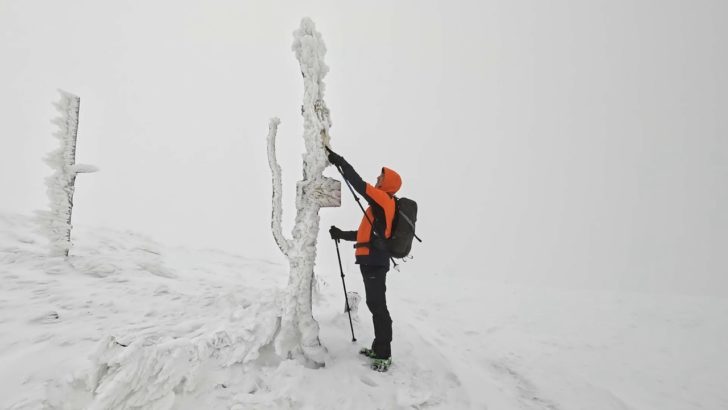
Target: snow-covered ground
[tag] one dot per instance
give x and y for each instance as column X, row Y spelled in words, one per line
column 129, row 323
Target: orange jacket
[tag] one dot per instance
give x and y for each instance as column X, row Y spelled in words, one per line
column 380, row 213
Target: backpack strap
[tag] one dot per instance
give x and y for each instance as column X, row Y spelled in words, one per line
column 406, row 218
column 377, row 245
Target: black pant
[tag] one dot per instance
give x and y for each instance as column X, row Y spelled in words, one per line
column 375, row 278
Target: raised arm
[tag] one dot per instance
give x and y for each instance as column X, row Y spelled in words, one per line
column 350, row 175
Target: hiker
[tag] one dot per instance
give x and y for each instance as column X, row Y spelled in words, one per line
column 371, row 253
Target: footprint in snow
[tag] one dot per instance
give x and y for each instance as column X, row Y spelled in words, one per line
column 368, row 381
column 47, row 318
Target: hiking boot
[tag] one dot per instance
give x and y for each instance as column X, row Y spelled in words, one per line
column 367, row 352
column 381, row 365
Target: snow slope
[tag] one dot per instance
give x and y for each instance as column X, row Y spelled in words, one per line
column 128, row 323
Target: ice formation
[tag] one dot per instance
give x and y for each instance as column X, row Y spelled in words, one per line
column 298, row 334
column 61, row 185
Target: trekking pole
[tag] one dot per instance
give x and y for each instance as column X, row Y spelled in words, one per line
column 346, row 295
column 356, row 198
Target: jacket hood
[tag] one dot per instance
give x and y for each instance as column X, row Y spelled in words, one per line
column 391, row 182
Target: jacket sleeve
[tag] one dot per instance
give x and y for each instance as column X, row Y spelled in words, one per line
column 356, row 182
column 353, row 177
column 348, row 235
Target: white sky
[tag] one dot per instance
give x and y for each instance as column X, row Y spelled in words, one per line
column 566, row 143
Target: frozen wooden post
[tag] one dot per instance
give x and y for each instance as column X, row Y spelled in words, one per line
column 298, row 335
column 62, row 184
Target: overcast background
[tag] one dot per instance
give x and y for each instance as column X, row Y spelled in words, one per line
column 561, row 143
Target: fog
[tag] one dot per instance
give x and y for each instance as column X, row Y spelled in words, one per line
column 566, row 143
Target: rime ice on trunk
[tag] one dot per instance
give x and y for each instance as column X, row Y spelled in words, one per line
column 61, row 185
column 298, row 333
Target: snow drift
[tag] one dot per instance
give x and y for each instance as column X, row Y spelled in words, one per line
column 127, row 323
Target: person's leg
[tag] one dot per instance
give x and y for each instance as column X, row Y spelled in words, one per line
column 375, row 286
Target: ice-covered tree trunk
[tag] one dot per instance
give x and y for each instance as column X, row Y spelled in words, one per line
column 61, row 185
column 298, row 335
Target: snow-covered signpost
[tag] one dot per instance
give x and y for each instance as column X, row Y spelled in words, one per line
column 61, row 185
column 298, row 333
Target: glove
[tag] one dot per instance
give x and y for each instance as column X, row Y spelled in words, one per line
column 334, row 158
column 335, row 232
